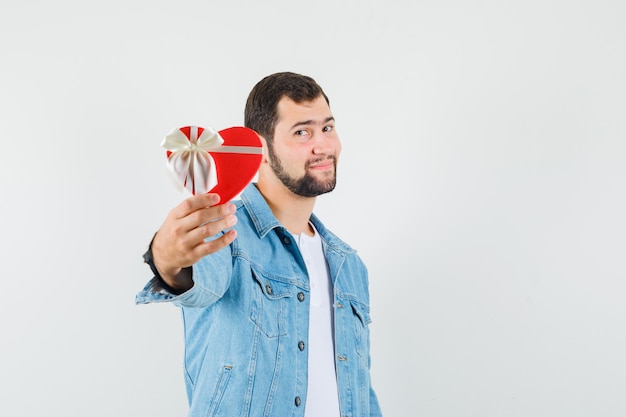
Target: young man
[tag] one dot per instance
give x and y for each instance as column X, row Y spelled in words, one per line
column 275, row 307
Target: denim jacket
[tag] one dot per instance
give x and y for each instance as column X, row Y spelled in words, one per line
column 247, row 312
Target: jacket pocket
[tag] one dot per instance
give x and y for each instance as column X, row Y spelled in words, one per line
column 360, row 324
column 220, row 388
column 269, row 304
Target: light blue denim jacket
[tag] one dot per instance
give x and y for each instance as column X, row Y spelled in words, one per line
column 249, row 309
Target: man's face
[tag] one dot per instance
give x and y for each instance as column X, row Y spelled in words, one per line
column 306, row 147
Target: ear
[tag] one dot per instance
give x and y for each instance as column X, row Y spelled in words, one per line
column 265, row 159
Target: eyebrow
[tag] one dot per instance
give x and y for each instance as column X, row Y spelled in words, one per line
column 312, row 122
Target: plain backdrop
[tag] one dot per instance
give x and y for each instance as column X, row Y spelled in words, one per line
column 482, row 181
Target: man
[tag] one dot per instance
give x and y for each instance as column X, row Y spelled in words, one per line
column 275, row 307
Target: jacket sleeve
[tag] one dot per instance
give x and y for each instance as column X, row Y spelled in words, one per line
column 211, row 278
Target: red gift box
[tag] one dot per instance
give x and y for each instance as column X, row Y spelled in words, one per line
column 206, row 161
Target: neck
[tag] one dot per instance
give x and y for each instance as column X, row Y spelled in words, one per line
column 291, row 210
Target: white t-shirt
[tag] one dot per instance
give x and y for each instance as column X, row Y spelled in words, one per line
column 322, row 394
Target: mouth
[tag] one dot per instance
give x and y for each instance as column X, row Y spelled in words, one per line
column 323, row 165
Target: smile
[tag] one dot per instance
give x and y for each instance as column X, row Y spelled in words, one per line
column 322, row 166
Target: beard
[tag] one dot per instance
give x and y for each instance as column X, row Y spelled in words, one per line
column 307, row 185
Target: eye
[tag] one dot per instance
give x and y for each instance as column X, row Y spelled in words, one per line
column 328, row 128
column 302, row 134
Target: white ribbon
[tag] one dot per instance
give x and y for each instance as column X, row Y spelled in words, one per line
column 190, row 160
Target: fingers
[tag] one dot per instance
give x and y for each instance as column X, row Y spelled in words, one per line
column 189, row 255
column 207, row 248
column 194, row 203
column 197, row 210
column 181, row 240
column 205, row 223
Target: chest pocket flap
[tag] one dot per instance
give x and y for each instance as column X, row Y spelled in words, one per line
column 270, row 304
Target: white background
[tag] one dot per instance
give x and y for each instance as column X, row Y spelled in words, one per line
column 482, row 181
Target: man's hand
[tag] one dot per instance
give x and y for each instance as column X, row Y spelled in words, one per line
column 179, row 243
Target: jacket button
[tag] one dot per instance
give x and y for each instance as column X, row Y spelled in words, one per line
column 301, row 345
column 268, row 289
column 297, row 401
column 286, row 240
column 300, row 296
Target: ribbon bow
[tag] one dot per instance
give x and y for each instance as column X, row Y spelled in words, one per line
column 190, row 160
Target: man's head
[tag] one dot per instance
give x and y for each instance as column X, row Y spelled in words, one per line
column 261, row 113
column 291, row 113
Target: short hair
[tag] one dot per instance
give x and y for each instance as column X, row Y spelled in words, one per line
column 261, row 113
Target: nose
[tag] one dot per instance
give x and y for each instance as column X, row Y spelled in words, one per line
column 323, row 145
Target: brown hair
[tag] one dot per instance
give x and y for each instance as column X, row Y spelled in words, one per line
column 261, row 112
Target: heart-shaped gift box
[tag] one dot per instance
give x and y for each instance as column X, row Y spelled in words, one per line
column 206, row 161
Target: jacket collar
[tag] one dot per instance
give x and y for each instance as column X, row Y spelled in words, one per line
column 258, row 210
column 264, row 220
